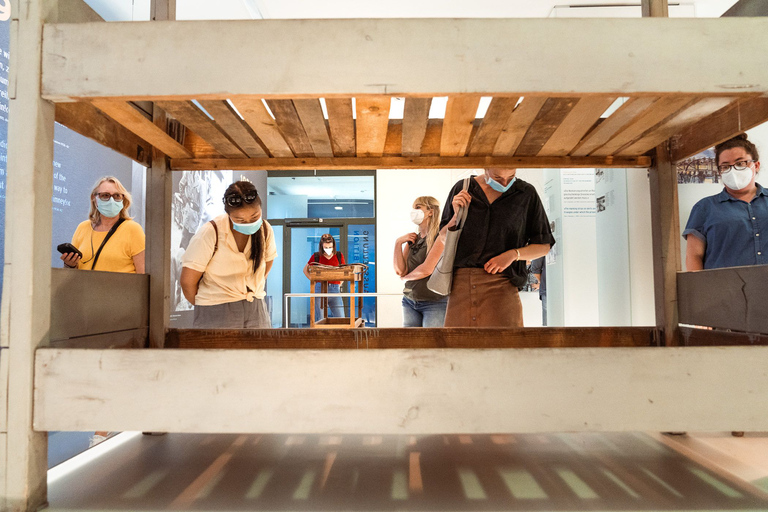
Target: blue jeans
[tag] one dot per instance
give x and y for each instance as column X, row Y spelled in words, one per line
column 423, row 313
column 335, row 304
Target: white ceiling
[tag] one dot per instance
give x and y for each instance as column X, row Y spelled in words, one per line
column 127, row 10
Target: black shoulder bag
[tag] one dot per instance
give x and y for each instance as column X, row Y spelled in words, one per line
column 109, row 235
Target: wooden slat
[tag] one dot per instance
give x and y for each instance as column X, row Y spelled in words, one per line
column 517, row 125
column 371, row 126
column 579, row 121
column 406, row 338
column 394, row 144
column 415, row 118
column 199, row 147
column 696, row 337
column 263, row 125
column 613, row 125
column 311, row 114
column 493, row 123
column 460, row 113
column 728, row 298
column 90, row 122
column 688, row 116
column 341, row 123
column 402, row 391
column 431, row 144
column 290, row 126
column 413, row 162
column 193, row 118
column 231, row 124
column 657, row 113
column 133, row 120
column 720, row 126
column 547, row 120
column 387, row 56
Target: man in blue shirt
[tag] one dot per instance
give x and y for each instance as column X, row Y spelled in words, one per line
column 728, row 228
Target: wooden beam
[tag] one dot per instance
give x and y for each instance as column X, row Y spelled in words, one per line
column 655, row 8
column 517, row 125
column 371, row 126
column 423, row 162
column 577, row 123
column 548, row 337
column 415, row 119
column 550, row 116
column 402, row 391
column 90, row 122
column 76, row 11
column 290, row 126
column 195, row 119
column 740, row 304
column 460, row 112
column 358, row 57
column 695, row 337
column 740, row 116
column 665, row 231
column 255, row 114
column 616, row 122
column 491, row 126
column 233, row 127
column 126, row 115
column 341, row 122
column 311, row 114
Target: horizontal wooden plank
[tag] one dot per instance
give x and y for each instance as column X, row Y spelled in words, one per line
column 401, row 391
column 704, row 337
column 729, row 298
column 387, row 56
column 413, row 162
column 341, row 123
column 616, row 122
column 720, row 126
column 552, row 113
column 128, row 116
column 492, row 124
column 255, row 114
column 546, row 337
column 235, row 128
column 517, row 125
column 193, row 118
column 90, row 122
column 83, row 302
column 579, row 121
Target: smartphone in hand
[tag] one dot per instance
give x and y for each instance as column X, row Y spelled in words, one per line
column 67, row 248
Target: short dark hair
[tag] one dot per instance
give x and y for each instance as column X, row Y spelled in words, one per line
column 739, row 141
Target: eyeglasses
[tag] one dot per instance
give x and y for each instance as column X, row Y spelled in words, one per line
column 236, row 200
column 738, row 166
column 104, row 196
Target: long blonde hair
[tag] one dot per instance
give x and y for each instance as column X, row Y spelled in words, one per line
column 434, row 222
column 94, row 213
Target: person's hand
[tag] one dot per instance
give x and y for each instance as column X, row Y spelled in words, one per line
column 70, row 259
column 408, row 238
column 461, row 200
column 499, row 263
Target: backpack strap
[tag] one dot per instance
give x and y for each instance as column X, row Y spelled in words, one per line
column 316, row 257
column 216, row 244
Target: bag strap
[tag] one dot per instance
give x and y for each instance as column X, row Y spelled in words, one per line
column 216, row 244
column 109, row 235
column 462, row 214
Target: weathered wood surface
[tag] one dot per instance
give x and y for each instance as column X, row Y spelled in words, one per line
column 413, row 338
column 83, row 302
column 728, row 298
column 386, row 56
column 403, row 391
column 413, row 162
column 132, row 338
column 698, row 337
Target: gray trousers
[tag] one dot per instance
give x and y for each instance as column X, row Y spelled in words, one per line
column 233, row 315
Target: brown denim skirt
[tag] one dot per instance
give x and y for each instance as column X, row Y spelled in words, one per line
column 480, row 299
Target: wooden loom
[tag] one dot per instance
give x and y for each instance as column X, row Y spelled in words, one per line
column 685, row 90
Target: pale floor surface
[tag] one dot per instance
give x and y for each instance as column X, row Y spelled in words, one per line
column 554, row 472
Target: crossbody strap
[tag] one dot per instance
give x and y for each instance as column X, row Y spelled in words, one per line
column 216, row 244
column 109, row 235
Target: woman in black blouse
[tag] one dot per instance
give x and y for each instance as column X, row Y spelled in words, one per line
column 505, row 226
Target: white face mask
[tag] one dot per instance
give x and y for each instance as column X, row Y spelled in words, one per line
column 417, row 216
column 328, row 250
column 737, row 180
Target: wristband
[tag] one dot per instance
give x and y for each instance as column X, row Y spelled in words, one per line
column 518, row 255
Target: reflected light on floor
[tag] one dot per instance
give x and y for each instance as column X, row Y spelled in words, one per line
column 89, row 455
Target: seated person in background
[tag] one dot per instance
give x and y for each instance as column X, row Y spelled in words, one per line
column 726, row 227
column 124, row 251
column 327, row 255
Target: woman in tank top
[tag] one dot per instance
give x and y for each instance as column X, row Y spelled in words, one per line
column 416, row 255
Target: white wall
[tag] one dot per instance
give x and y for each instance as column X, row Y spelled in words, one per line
column 640, row 248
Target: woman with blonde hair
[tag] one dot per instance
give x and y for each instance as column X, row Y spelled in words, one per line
column 416, row 255
column 109, row 240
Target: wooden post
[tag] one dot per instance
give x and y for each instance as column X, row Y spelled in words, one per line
column 27, row 281
column 158, row 224
column 655, row 9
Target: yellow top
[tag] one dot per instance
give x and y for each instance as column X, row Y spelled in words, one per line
column 118, row 252
column 228, row 276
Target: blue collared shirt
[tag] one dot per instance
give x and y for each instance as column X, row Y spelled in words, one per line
column 733, row 230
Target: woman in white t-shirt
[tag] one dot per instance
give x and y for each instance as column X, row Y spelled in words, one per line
column 225, row 267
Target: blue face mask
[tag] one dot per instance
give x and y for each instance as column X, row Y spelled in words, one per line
column 109, row 208
column 247, row 229
column 498, row 187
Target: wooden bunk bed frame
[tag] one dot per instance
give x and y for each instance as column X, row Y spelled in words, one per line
column 551, row 80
